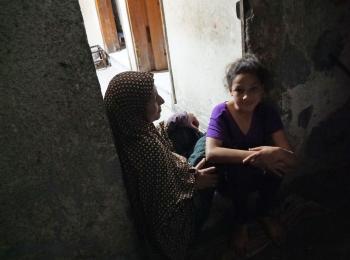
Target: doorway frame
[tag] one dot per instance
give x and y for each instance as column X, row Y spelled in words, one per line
column 173, row 93
column 107, row 25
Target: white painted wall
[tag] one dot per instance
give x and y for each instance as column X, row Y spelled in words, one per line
column 124, row 20
column 203, row 37
column 91, row 22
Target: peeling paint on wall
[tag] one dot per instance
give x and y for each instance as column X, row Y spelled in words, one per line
column 304, row 44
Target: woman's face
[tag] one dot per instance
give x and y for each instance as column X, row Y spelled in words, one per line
column 153, row 108
column 246, row 91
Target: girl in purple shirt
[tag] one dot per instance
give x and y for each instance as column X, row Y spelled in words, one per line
column 246, row 138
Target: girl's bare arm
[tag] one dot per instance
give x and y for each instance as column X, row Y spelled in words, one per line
column 279, row 158
column 215, row 153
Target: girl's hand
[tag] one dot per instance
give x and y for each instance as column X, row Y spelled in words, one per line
column 275, row 159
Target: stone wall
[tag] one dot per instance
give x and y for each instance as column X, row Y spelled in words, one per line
column 306, row 46
column 61, row 194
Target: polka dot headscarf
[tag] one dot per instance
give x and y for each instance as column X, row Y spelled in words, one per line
column 159, row 183
column 126, row 98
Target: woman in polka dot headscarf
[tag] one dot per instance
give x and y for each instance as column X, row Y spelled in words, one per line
column 160, row 183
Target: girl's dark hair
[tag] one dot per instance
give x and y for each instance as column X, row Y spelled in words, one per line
column 247, row 64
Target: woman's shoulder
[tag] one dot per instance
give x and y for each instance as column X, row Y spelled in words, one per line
column 218, row 110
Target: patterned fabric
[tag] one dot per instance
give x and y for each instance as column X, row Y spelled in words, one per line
column 159, row 183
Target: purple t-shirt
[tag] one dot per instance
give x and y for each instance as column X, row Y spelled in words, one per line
column 222, row 126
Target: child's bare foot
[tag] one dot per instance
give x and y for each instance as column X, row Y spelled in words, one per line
column 240, row 240
column 274, row 229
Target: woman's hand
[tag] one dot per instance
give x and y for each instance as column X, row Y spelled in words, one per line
column 205, row 177
column 275, row 159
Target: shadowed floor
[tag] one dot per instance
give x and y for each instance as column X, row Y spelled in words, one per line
column 313, row 233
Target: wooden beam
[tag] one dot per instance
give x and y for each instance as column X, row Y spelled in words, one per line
column 141, row 34
column 157, row 34
column 107, row 24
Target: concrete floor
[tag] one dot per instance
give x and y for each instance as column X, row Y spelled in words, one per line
column 120, row 62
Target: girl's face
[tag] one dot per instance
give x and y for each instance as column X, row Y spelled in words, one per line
column 246, row 91
column 153, row 108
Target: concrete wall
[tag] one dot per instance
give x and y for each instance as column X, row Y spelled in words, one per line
column 61, row 193
column 304, row 44
column 91, row 21
column 203, row 36
column 297, row 39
